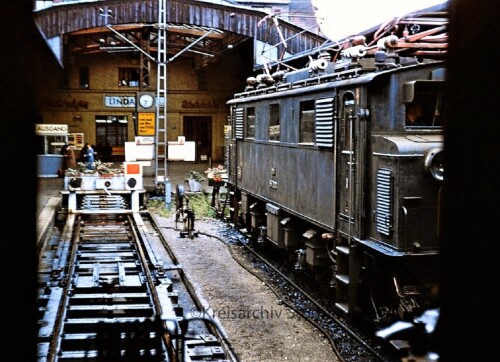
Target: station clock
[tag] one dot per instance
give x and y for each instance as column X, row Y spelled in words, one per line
column 145, row 102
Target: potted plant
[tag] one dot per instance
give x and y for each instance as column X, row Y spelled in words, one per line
column 216, row 175
column 194, row 179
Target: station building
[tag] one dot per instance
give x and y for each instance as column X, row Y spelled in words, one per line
column 97, row 97
column 104, row 57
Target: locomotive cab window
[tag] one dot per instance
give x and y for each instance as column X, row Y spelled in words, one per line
column 274, row 122
column 250, row 123
column 307, row 116
column 424, row 105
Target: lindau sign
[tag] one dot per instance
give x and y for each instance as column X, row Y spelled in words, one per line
column 119, row 101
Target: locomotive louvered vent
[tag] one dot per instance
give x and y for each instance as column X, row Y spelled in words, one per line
column 238, row 123
column 324, row 122
column 383, row 218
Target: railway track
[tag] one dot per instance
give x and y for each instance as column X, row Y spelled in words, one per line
column 109, row 289
column 348, row 340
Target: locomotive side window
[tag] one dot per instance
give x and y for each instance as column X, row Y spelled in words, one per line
column 274, row 122
column 250, row 123
column 425, row 110
column 307, row 116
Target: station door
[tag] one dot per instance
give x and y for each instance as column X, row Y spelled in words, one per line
column 199, row 130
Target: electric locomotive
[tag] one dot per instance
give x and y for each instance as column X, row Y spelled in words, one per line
column 327, row 164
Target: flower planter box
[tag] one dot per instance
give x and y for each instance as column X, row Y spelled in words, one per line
column 194, row 186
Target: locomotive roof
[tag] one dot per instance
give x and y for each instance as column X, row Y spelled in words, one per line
column 319, row 83
column 425, row 19
column 417, row 38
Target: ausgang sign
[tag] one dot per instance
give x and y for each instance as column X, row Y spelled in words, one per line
column 119, row 101
column 51, row 129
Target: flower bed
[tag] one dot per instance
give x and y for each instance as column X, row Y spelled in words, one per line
column 102, row 175
column 101, row 169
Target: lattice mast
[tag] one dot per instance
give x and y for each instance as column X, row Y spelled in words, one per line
column 161, row 176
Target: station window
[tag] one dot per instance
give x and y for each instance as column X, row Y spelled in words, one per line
column 65, row 79
column 128, row 77
column 84, row 78
column 307, row 115
column 250, row 123
column 202, row 80
column 274, row 122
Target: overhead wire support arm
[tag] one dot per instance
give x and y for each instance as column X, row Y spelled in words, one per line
column 130, row 42
column 191, row 45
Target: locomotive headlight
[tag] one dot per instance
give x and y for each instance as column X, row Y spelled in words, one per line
column 434, row 163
